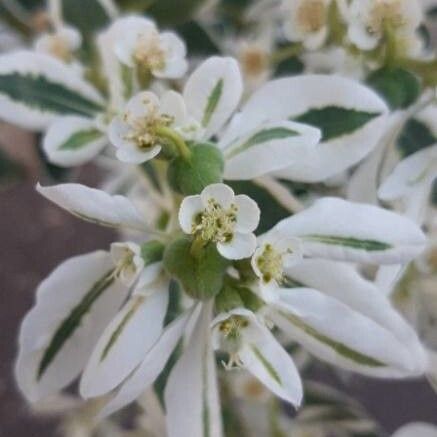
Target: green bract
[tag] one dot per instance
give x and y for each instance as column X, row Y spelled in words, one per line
column 204, row 167
column 399, row 87
column 202, row 274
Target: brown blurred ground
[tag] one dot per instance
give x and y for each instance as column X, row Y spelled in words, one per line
column 35, row 236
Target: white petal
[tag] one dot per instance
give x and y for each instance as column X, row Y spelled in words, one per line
column 172, row 103
column 353, row 341
column 193, row 382
column 36, row 110
column 241, row 246
column 150, row 368
column 73, row 141
column 221, row 193
column 190, row 207
column 67, row 287
column 132, row 155
column 94, row 205
column 125, row 342
column 213, row 92
column 273, row 146
column 290, row 98
column 175, row 52
column 140, row 104
column 265, row 358
column 342, row 230
column 248, row 214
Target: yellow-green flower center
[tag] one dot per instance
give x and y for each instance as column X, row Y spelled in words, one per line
column 216, row 223
column 143, row 130
column 385, row 13
column 311, row 15
column 270, row 264
column 149, row 52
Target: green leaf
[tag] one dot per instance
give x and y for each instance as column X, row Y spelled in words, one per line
column 367, row 245
column 213, row 100
column 69, row 325
column 415, row 136
column 263, row 136
column 205, row 167
column 289, row 67
column 88, row 23
column 173, row 12
column 42, row 94
column 80, row 139
column 197, row 40
column 152, row 252
column 201, row 276
column 340, row 348
column 335, row 121
column 397, row 86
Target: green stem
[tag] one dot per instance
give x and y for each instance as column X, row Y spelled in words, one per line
column 285, row 53
column 197, row 247
column 170, row 135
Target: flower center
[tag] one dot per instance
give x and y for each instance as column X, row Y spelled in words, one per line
column 216, row 223
column 149, row 52
column 384, row 12
column 270, row 264
column 59, row 48
column 230, row 330
column 254, row 61
column 143, row 130
column 311, row 15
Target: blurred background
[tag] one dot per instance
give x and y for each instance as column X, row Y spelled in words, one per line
column 35, row 236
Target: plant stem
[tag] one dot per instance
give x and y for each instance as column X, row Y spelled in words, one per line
column 170, row 135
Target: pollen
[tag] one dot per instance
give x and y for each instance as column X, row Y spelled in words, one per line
column 270, row 264
column 216, row 223
column 142, row 130
column 385, row 13
column 311, row 15
column 149, row 52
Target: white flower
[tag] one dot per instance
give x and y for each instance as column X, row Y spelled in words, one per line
column 138, row 133
column 61, row 43
column 218, row 216
column 306, row 21
column 142, row 45
column 272, row 256
column 127, row 258
column 369, row 20
column 252, row 346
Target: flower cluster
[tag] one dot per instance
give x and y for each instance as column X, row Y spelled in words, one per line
column 264, row 218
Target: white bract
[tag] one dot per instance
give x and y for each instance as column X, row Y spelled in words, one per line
column 251, row 345
column 220, row 217
column 141, row 45
column 411, row 182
